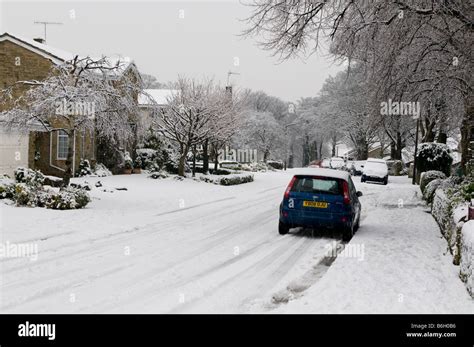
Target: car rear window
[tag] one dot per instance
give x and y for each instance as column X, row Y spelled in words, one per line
column 324, row 185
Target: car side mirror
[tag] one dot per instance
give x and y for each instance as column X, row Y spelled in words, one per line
column 359, row 194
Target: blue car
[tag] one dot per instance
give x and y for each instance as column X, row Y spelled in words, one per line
column 321, row 198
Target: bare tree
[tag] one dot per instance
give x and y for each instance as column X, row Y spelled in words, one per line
column 411, row 48
column 198, row 111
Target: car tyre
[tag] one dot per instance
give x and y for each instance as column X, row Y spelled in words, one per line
column 362, row 179
column 283, row 228
column 347, row 233
column 356, row 226
column 385, row 181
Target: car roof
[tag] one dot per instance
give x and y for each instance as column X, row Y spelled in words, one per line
column 344, row 175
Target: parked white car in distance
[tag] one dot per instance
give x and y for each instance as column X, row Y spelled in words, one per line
column 326, row 163
column 375, row 170
column 337, row 163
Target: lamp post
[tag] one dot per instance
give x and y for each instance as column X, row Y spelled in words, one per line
column 413, row 180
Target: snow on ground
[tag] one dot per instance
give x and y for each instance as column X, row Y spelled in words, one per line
column 406, row 266
column 185, row 246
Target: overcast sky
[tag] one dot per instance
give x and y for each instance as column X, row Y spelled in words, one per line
column 205, row 42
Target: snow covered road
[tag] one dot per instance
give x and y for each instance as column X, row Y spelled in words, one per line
column 184, row 246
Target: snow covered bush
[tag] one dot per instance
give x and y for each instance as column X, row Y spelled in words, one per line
column 228, row 180
column 171, row 163
column 467, row 256
column 146, row 158
column 6, row 188
column 84, row 168
column 428, row 176
column 128, row 162
column 158, row 174
column 28, row 190
column 276, row 164
column 434, row 156
column 157, row 153
column 25, row 194
column 66, row 199
column 101, row 170
column 31, row 177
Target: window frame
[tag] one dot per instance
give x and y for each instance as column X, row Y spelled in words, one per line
column 62, row 134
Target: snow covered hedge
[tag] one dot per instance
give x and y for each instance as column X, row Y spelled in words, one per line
column 276, row 164
column 428, row 193
column 255, row 167
column 449, row 209
column 228, row 180
column 467, row 256
column 428, row 176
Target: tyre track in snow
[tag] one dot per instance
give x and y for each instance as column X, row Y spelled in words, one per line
column 283, row 261
column 74, row 283
column 147, row 283
column 98, row 251
column 155, row 293
column 117, row 238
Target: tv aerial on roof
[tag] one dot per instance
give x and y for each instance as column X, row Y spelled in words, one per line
column 45, row 25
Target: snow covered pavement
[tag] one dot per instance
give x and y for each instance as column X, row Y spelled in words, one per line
column 405, row 267
column 185, row 246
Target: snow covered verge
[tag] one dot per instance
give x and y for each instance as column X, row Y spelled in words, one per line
column 449, row 206
column 228, row 180
column 467, row 256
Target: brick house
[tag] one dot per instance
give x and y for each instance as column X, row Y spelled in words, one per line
column 40, row 148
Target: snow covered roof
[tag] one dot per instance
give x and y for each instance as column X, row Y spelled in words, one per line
column 59, row 56
column 322, row 172
column 158, row 96
column 56, row 55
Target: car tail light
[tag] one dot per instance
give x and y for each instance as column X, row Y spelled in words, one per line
column 288, row 189
column 345, row 190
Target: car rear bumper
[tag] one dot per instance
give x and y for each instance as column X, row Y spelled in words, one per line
column 373, row 178
column 295, row 218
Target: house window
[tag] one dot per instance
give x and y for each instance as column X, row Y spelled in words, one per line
column 63, row 145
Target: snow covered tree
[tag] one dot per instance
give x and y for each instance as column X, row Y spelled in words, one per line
column 83, row 94
column 347, row 102
column 411, row 49
column 262, row 131
column 198, row 111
